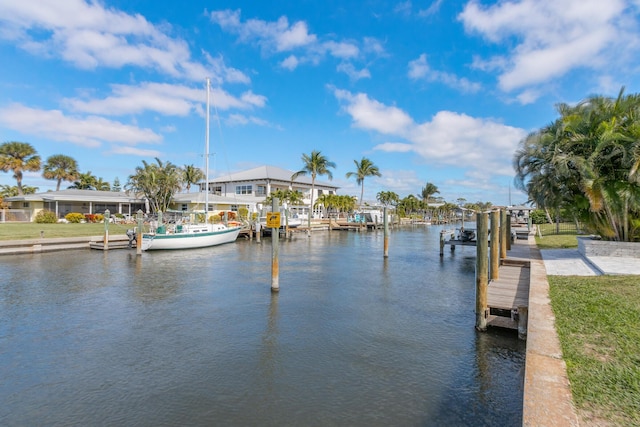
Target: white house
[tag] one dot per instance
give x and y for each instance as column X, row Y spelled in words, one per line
column 258, row 183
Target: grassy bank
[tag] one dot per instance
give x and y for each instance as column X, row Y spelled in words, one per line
column 20, row 231
column 597, row 320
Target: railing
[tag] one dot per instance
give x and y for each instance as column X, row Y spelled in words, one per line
column 15, row 215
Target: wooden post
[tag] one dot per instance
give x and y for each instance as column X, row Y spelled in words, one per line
column 495, row 244
column 482, row 279
column 258, row 231
column 523, row 320
column 442, row 243
column 275, row 235
column 508, row 227
column 105, row 240
column 139, row 233
column 504, row 234
column 386, row 233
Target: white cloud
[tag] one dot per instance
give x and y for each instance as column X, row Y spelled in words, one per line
column 166, row 99
column 132, row 151
column 290, row 63
column 550, row 37
column 373, row 115
column 419, row 69
column 90, row 35
column 449, row 139
column 88, row 131
column 351, row 71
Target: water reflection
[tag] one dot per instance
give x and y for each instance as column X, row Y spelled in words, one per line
column 196, row 337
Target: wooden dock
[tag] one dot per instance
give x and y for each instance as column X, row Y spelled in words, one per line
column 508, row 295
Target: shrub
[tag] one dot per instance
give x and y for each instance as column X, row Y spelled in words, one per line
column 46, row 217
column 98, row 218
column 74, row 217
column 243, row 212
column 538, row 216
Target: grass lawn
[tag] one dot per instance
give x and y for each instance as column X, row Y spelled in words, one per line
column 598, row 322
column 19, row 231
column 559, row 241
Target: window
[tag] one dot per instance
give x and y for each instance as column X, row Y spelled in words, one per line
column 216, row 189
column 25, row 204
column 244, row 189
column 184, row 207
column 261, row 190
column 319, row 192
column 234, row 208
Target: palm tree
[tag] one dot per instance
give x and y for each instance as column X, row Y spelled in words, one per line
column 101, row 185
column 387, row 198
column 157, row 182
column 314, row 165
column 427, row 191
column 18, row 157
column 192, row 175
column 84, row 181
column 61, row 168
column 364, row 168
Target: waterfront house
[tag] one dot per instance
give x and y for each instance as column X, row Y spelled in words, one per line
column 26, row 207
column 254, row 185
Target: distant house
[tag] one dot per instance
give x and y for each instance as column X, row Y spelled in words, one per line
column 258, row 183
column 26, row 207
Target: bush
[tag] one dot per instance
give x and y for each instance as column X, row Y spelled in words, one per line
column 46, row 217
column 243, row 212
column 74, row 217
column 538, row 216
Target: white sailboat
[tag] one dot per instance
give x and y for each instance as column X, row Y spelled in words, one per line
column 188, row 236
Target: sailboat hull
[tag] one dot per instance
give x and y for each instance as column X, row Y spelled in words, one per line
column 190, row 238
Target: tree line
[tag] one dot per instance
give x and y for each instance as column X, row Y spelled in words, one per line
column 584, row 165
column 159, row 181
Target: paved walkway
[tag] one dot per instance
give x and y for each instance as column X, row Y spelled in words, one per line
column 570, row 262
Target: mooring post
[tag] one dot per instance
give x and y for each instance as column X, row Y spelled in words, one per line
column 482, row 276
column 105, row 240
column 495, row 244
column 139, row 233
column 504, row 234
column 508, row 227
column 275, row 235
column 442, row 243
column 386, row 233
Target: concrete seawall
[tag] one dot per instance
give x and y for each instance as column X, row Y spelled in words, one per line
column 547, row 399
column 28, row 246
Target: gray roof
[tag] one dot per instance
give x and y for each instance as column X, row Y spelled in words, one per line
column 79, row 196
column 270, row 173
column 199, row 197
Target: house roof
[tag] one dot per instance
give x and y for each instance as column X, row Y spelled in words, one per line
column 73, row 195
column 271, row 173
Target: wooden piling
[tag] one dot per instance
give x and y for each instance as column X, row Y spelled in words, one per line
column 105, row 240
column 482, row 277
column 495, row 243
column 386, row 233
column 504, row 234
column 139, row 233
column 508, row 232
column 275, row 262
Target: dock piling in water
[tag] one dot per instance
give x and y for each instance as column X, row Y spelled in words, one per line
column 482, row 276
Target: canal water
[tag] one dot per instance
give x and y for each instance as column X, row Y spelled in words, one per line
column 196, row 337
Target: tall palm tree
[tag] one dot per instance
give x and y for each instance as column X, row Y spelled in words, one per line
column 18, row 157
column 192, row 175
column 364, row 168
column 387, row 198
column 61, row 168
column 314, row 165
column 427, row 191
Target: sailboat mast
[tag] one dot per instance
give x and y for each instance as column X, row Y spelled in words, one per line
column 206, row 160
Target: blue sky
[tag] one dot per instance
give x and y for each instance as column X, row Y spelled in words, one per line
column 431, row 91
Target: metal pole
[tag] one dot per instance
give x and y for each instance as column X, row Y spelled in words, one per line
column 275, row 235
column 482, row 279
column 105, row 240
column 386, row 233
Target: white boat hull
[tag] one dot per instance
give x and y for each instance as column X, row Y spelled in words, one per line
column 192, row 237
